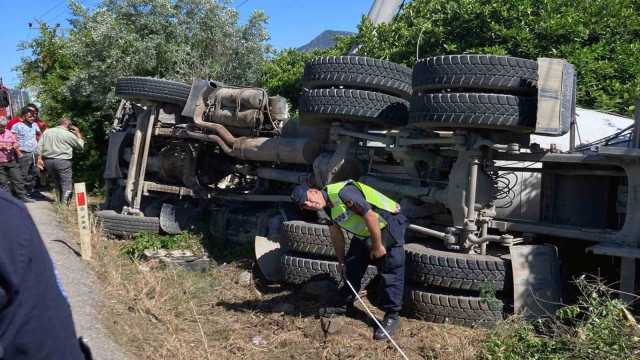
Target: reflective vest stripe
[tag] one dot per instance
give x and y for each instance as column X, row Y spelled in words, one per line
column 346, row 219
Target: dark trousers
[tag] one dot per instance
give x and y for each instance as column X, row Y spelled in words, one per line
column 390, row 268
column 30, row 172
column 10, row 172
column 60, row 171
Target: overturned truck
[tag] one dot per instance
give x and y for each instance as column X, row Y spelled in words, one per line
column 450, row 140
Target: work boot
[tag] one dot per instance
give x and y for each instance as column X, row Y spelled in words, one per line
column 390, row 323
column 329, row 311
column 26, row 199
column 67, row 197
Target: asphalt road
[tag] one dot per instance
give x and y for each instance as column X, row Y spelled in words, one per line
column 78, row 282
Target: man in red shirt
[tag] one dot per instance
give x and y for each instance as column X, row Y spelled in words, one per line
column 9, row 169
column 42, row 125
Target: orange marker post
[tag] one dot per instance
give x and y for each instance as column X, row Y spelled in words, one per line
column 83, row 220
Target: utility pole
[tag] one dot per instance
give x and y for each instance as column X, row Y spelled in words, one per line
column 382, row 11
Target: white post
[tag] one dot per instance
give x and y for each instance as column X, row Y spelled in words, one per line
column 83, row 221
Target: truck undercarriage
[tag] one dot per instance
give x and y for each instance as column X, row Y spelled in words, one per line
column 450, row 140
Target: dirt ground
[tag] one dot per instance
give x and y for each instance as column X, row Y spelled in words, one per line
column 166, row 313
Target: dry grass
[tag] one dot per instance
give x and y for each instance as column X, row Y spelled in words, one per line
column 167, row 313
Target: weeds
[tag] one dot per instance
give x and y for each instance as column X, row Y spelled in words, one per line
column 146, row 241
column 597, row 327
column 488, row 295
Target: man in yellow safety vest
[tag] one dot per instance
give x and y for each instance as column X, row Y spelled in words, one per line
column 378, row 228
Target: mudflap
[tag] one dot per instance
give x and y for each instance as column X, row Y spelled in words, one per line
column 268, row 254
column 174, row 219
column 536, row 281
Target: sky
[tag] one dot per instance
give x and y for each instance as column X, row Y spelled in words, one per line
column 292, row 23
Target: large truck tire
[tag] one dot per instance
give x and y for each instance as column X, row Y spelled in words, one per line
column 462, row 310
column 298, row 270
column 473, row 110
column 445, row 269
column 321, row 107
column 118, row 224
column 358, row 72
column 482, row 72
column 143, row 88
column 309, row 238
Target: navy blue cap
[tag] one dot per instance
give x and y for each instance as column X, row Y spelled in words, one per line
column 299, row 194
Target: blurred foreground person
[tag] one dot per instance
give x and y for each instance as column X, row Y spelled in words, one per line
column 35, row 317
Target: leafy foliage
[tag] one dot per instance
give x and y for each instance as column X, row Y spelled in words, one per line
column 146, row 241
column 601, row 38
column 597, row 327
column 282, row 73
column 75, row 72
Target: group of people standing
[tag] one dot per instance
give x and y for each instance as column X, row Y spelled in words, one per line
column 26, row 149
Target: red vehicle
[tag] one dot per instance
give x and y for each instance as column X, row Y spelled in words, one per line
column 5, row 102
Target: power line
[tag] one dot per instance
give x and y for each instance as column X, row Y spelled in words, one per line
column 67, row 10
column 62, row 13
column 244, row 2
column 58, row 4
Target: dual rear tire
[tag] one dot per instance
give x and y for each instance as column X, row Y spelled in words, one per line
column 440, row 286
column 474, row 92
column 357, row 90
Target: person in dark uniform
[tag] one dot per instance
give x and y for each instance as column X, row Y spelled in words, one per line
column 378, row 228
column 35, row 317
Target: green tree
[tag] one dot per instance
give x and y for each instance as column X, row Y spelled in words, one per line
column 282, row 73
column 601, row 38
column 76, row 71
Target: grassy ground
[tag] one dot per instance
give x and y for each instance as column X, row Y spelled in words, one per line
column 167, row 313
column 160, row 312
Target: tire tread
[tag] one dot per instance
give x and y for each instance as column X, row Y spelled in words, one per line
column 459, row 310
column 475, row 72
column 322, row 106
column 358, row 71
column 480, row 110
column 144, row 88
column 298, row 270
column 118, row 224
column 452, row 270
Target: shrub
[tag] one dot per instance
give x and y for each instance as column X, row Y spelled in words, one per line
column 597, row 327
column 146, row 241
column 601, row 38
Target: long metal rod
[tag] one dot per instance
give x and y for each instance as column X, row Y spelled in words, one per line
column 430, row 232
column 572, row 135
column 382, row 139
column 428, row 141
column 295, row 177
column 248, row 197
column 561, row 171
column 483, row 232
column 471, row 192
column 133, row 166
column 145, row 153
column 636, row 125
column 427, row 194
